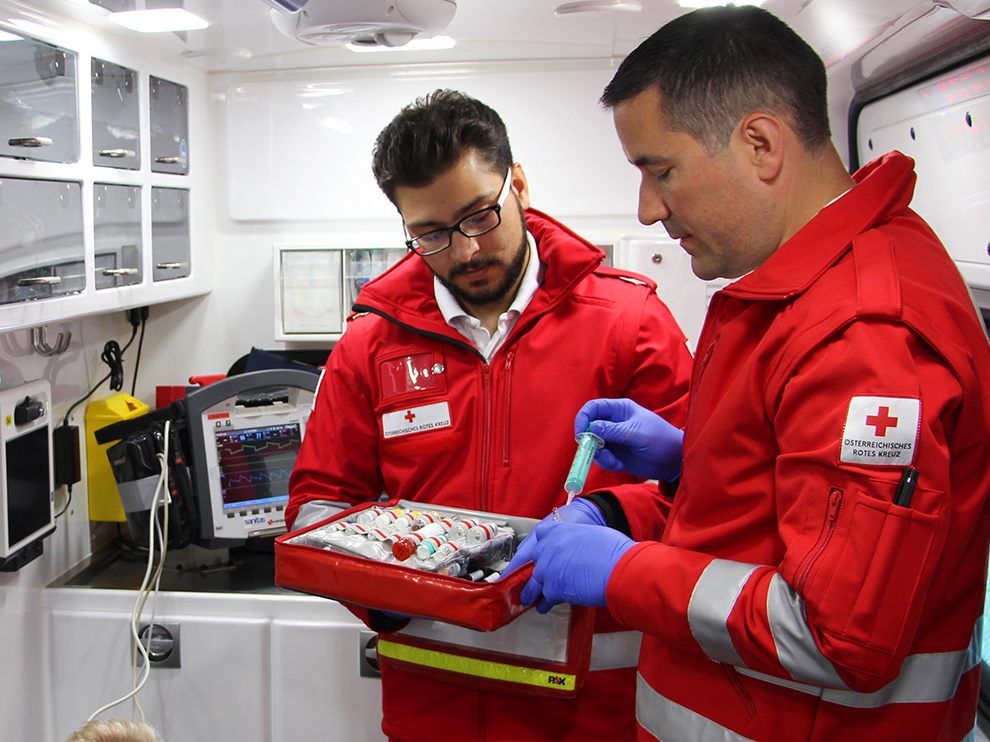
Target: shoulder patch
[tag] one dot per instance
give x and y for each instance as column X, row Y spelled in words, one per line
column 881, row 431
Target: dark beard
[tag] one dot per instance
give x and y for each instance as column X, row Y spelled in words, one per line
column 513, row 270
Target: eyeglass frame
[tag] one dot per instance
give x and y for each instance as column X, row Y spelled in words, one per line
column 500, row 200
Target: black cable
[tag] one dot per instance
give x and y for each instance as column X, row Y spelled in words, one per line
column 137, row 360
column 67, row 502
column 113, row 356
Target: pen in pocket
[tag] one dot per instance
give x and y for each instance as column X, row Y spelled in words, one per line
column 905, row 488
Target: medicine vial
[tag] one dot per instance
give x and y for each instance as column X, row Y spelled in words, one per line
column 405, row 547
column 461, row 527
column 423, row 519
column 429, row 546
column 444, row 551
column 481, row 533
column 388, row 517
column 381, row 534
column 366, row 517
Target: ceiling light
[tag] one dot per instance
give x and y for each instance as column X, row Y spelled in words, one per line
column 597, row 6
column 694, row 4
column 416, row 45
column 159, row 20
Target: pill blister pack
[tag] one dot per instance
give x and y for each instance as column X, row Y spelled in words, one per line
column 458, row 545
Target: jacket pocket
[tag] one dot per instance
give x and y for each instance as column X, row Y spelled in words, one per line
column 883, row 563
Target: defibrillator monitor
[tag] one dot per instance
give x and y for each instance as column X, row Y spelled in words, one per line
column 245, row 432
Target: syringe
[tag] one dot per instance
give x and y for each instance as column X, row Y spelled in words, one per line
column 588, row 444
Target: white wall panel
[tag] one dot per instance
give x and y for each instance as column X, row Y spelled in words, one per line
column 944, row 124
column 300, row 149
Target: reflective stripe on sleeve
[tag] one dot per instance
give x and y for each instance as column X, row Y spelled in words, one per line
column 667, row 720
column 796, row 647
column 924, row 678
column 615, row 650
column 712, row 600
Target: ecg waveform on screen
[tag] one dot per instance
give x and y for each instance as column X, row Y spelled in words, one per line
column 255, row 464
column 231, row 481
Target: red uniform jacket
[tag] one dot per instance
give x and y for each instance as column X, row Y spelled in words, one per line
column 790, row 598
column 505, row 442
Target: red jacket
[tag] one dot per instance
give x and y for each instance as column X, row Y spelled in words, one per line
column 830, row 613
column 504, row 444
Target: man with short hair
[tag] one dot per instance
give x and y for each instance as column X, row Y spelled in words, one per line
column 822, row 569
column 494, row 329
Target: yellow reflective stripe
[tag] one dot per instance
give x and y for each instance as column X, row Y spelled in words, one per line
column 473, row 666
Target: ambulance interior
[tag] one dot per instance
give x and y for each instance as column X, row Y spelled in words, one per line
column 196, row 194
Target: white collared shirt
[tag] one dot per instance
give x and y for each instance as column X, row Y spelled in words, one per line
column 471, row 328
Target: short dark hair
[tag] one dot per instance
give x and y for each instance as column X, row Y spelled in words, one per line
column 431, row 134
column 713, row 66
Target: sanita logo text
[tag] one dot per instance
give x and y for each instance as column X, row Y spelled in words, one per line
column 256, row 521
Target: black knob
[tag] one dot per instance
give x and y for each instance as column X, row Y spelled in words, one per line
column 28, row 410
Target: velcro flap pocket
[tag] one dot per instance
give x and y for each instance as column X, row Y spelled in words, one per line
column 884, row 563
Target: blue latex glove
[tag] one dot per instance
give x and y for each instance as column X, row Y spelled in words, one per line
column 574, row 562
column 579, row 511
column 637, row 440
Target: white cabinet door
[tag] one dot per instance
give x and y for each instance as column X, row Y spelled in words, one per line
column 317, row 690
column 220, row 692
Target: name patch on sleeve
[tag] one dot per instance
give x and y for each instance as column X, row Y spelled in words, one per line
column 416, row 419
column 881, row 431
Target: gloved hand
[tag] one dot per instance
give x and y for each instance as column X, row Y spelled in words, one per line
column 579, row 511
column 637, row 440
column 574, row 562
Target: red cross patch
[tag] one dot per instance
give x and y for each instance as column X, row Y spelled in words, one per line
column 881, row 431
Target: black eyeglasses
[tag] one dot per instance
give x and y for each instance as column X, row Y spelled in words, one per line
column 474, row 224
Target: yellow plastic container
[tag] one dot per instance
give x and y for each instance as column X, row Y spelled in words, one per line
column 104, row 501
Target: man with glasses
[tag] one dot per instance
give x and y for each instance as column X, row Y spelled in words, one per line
column 456, row 384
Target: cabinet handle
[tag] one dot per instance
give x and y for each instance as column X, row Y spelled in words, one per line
column 170, row 160
column 171, row 266
column 39, row 281
column 30, row 142
column 116, row 153
column 119, row 271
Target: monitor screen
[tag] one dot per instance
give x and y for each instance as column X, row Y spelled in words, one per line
column 255, row 463
column 28, row 491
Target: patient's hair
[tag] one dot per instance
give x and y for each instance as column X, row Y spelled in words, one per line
column 115, row 730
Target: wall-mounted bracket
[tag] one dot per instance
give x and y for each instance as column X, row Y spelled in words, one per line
column 39, row 339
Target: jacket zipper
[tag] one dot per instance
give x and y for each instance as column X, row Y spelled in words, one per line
column 425, row 333
column 828, row 528
column 486, row 436
column 507, row 407
column 707, row 357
